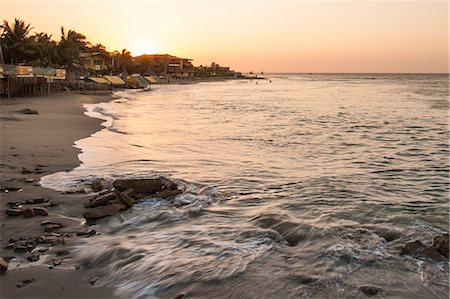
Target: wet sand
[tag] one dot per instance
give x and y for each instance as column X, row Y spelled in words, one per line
column 32, row 146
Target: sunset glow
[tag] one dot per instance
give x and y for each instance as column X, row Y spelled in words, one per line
column 294, row 36
column 141, row 47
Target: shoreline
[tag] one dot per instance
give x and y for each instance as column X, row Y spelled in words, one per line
column 32, row 146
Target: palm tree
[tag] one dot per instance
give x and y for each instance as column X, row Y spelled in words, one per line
column 124, row 60
column 69, row 48
column 15, row 41
column 45, row 50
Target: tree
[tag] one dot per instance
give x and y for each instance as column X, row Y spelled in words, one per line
column 124, row 60
column 15, row 41
column 69, row 48
column 45, row 50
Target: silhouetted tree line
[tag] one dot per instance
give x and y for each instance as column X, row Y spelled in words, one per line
column 20, row 47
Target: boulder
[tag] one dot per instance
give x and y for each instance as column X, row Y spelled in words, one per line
column 412, row 248
column 430, row 253
column 29, row 111
column 370, row 291
column 102, row 200
column 168, row 184
column 3, row 265
column 40, row 211
column 146, row 186
column 441, row 244
column 103, row 211
column 99, row 185
column 13, row 212
column 126, row 199
column 167, row 193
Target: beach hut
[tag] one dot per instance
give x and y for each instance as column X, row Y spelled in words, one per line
column 137, row 81
column 98, row 80
column 114, row 80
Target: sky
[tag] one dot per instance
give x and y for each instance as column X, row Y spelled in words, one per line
column 271, row 36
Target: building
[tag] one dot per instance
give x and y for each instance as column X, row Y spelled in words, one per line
column 165, row 65
column 96, row 61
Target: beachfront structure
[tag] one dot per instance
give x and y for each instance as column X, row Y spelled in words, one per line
column 96, row 61
column 165, row 66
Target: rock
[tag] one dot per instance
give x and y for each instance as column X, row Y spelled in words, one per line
column 29, row 111
column 430, row 253
column 14, row 212
column 26, row 171
column 99, row 185
column 167, row 193
column 102, row 200
column 441, row 244
column 24, row 282
column 93, row 280
column 370, row 291
column 28, row 213
column 304, row 279
column 32, row 257
column 3, row 266
column 89, row 233
column 126, row 199
column 40, row 211
column 29, row 180
column 412, row 248
column 103, row 211
column 146, row 186
column 169, row 184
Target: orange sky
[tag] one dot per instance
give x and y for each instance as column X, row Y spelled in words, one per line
column 269, row 36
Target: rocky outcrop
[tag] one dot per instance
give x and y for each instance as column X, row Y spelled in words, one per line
column 126, row 193
column 147, row 186
column 103, row 211
column 438, row 251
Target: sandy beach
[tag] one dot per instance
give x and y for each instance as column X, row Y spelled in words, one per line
column 32, row 146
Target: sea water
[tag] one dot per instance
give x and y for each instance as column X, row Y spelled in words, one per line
column 305, row 186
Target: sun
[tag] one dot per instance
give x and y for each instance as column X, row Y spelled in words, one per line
column 143, row 47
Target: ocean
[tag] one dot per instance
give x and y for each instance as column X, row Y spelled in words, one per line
column 305, row 186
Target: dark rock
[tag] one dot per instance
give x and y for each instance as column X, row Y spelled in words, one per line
column 180, row 296
column 304, row 279
column 40, row 211
column 126, row 199
column 441, row 245
column 146, row 186
column 412, row 248
column 93, row 280
column 169, row 184
column 61, row 252
column 32, row 257
column 3, row 266
column 430, row 253
column 102, row 200
column 140, row 195
column 167, row 193
column 24, row 282
column 29, row 111
column 14, row 212
column 26, row 171
column 370, row 291
column 28, row 212
column 89, row 233
column 99, row 185
column 103, row 211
